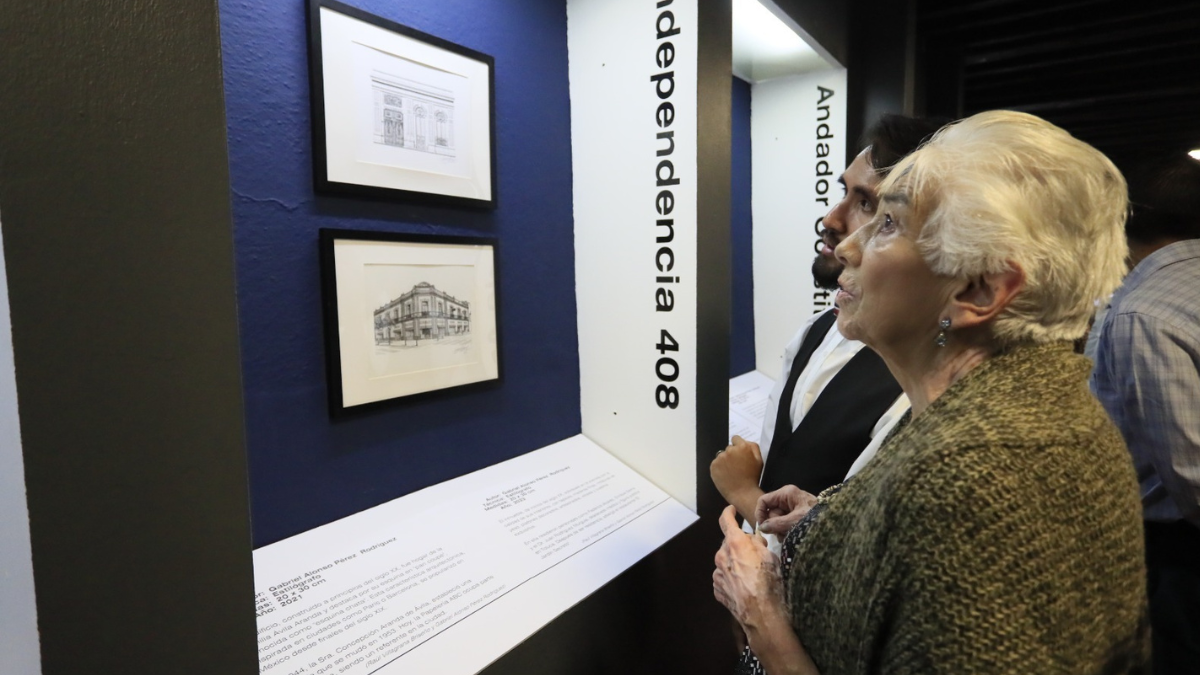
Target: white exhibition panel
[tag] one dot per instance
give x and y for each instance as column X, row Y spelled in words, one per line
column 617, row 89
column 793, row 188
column 448, row 579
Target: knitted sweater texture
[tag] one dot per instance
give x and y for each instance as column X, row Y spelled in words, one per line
column 998, row 532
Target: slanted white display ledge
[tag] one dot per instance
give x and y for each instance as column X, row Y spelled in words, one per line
column 448, row 579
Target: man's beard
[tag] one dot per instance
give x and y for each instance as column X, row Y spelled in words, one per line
column 825, row 271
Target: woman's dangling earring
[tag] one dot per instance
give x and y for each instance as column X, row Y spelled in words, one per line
column 940, row 340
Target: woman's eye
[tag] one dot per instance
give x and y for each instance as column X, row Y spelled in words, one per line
column 887, row 225
column 866, row 205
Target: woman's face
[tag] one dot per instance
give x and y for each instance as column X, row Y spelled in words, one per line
column 888, row 297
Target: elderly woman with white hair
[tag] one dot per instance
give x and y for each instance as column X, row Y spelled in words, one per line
column 998, row 529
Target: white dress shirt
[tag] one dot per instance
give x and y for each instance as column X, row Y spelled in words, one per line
column 834, row 352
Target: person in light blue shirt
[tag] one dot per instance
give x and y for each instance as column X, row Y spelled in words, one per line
column 1147, row 376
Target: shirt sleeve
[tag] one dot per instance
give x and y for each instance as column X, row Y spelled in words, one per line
column 1148, row 378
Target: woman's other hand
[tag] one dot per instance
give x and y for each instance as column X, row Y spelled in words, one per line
column 779, row 511
column 746, row 579
column 748, row 582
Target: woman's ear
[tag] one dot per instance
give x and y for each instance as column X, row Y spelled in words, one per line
column 981, row 299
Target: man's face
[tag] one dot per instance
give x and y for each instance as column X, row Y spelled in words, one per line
column 855, row 209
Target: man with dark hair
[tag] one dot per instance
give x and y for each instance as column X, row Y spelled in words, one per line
column 835, row 395
column 1147, row 376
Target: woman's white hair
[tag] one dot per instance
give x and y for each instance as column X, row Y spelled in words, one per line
column 1002, row 188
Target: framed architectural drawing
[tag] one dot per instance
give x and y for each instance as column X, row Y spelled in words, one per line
column 406, row 314
column 397, row 113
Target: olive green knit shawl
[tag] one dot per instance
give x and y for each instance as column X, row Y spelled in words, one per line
column 998, row 532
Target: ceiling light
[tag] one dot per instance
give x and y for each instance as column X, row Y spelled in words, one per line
column 1195, row 154
column 765, row 26
column 765, row 46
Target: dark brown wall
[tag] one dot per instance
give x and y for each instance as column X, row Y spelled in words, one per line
column 881, row 64
column 714, row 260
column 114, row 193
column 874, row 40
column 827, row 21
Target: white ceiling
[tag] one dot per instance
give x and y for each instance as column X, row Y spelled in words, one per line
column 765, row 47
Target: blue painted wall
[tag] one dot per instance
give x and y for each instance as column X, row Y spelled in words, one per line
column 741, row 339
column 306, row 470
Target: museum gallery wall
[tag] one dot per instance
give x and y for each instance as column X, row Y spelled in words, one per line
column 306, row 469
column 366, row 256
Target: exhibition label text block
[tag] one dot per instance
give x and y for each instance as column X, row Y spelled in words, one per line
column 438, row 568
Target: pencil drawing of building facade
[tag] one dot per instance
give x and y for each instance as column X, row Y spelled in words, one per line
column 423, row 313
column 412, row 115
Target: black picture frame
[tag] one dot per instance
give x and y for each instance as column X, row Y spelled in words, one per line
column 338, row 165
column 365, row 359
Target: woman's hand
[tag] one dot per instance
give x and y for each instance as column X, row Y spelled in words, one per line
column 779, row 511
column 748, row 583
column 746, row 579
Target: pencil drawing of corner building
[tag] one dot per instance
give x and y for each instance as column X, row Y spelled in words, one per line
column 424, row 313
column 412, row 115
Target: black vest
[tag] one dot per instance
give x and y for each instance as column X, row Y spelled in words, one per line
column 837, row 427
